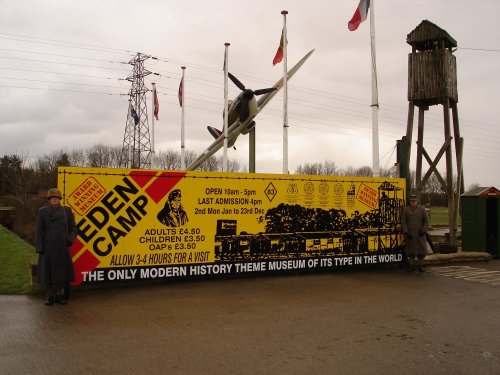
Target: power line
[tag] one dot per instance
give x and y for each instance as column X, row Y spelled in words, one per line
column 323, row 94
column 66, row 44
column 58, row 55
column 58, row 73
column 480, row 49
column 64, row 90
column 56, row 62
column 65, row 83
column 294, row 115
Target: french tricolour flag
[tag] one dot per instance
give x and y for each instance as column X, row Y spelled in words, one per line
column 359, row 15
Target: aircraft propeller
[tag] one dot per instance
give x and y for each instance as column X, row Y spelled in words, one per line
column 248, row 94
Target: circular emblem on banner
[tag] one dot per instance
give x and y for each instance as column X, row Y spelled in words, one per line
column 309, row 188
column 323, row 188
column 292, row 188
column 338, row 189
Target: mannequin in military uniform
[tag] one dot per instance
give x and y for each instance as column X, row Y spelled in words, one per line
column 54, row 234
column 415, row 224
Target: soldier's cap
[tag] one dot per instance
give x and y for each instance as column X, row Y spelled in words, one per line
column 54, row 192
column 174, row 194
column 413, row 197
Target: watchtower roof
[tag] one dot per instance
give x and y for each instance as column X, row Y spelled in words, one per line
column 427, row 35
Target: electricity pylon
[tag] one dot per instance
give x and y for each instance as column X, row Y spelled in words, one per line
column 136, row 140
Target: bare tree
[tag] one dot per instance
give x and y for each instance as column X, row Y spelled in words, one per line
column 46, row 168
column 116, row 156
column 348, row 171
column 77, row 158
column 190, row 157
column 211, row 165
column 330, row 168
column 364, row 171
column 233, row 166
column 98, row 156
column 312, row 169
column 169, row 160
column 433, row 186
column 215, row 164
column 389, row 172
column 473, row 186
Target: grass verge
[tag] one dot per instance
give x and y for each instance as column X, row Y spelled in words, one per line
column 15, row 257
column 439, row 216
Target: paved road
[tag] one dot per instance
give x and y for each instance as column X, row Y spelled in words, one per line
column 469, row 273
column 384, row 321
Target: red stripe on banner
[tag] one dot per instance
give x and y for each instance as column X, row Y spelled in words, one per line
column 163, row 184
column 141, row 178
column 87, row 262
column 76, row 247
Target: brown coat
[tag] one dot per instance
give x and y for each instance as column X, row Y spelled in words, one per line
column 415, row 223
column 55, row 232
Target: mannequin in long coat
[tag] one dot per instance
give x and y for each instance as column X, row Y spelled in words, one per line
column 55, row 233
column 415, row 224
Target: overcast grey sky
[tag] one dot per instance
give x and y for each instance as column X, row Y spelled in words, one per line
column 62, row 78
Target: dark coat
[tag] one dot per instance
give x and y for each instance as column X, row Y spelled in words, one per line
column 415, row 223
column 54, row 234
column 167, row 216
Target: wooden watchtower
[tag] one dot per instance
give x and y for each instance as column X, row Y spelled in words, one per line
column 432, row 80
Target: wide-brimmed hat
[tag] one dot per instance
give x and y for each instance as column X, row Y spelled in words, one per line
column 54, row 192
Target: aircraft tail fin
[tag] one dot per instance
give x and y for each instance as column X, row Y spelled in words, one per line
column 216, row 133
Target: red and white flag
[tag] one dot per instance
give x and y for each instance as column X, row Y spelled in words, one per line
column 359, row 15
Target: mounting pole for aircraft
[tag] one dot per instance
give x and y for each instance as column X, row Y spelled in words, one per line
column 251, row 150
column 285, row 96
column 226, row 107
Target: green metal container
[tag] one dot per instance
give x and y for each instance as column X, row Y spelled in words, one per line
column 480, row 211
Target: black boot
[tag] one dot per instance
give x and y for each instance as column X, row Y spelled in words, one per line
column 60, row 300
column 409, row 265
column 50, row 301
column 421, row 269
column 66, row 291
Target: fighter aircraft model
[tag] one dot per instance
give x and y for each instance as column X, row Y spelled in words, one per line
column 241, row 112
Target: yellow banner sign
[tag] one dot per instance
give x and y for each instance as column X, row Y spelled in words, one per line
column 144, row 224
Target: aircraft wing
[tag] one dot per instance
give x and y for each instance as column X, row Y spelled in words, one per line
column 264, row 99
column 232, row 132
column 236, row 128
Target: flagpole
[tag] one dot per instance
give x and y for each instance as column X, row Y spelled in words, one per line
column 183, row 153
column 375, row 105
column 224, row 160
column 153, row 156
column 285, row 97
